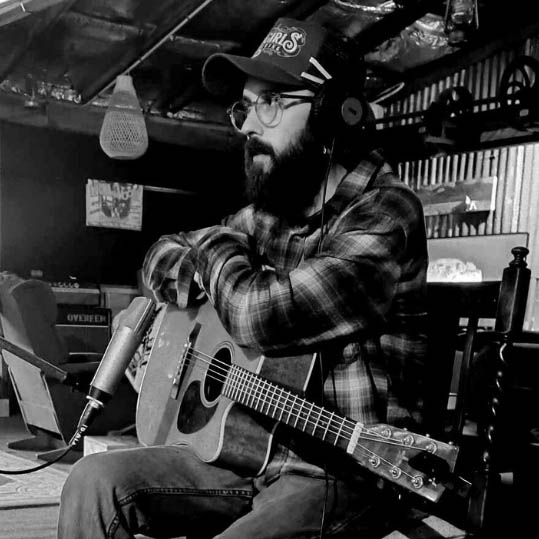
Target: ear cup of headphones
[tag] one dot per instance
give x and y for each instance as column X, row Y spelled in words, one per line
column 341, row 113
column 338, row 111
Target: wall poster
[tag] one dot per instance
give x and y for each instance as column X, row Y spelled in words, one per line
column 114, row 204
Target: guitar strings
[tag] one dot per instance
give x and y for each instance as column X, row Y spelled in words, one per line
column 238, row 370
column 347, row 427
column 375, row 436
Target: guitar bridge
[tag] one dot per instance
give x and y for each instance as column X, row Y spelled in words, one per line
column 181, row 367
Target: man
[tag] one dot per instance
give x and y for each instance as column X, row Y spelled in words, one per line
column 329, row 256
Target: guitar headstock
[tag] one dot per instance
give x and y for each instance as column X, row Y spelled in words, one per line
column 416, row 462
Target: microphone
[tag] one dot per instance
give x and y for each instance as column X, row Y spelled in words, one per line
column 128, row 335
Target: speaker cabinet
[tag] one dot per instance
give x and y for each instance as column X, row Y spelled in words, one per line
column 84, row 328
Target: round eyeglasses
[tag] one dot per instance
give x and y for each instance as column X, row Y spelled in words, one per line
column 268, row 106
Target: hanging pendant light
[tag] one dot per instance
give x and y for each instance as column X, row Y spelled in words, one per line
column 123, row 133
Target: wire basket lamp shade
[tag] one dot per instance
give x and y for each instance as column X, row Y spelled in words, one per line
column 123, row 133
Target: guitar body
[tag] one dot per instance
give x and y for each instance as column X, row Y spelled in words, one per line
column 181, row 400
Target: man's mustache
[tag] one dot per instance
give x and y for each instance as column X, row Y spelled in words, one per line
column 254, row 146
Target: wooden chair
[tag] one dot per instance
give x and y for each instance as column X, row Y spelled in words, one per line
column 476, row 327
column 49, row 403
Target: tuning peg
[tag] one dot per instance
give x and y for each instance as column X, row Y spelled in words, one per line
column 417, row 481
column 408, row 439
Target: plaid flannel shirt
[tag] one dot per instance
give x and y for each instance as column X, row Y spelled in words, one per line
column 357, row 293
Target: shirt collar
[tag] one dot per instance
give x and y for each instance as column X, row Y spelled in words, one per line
column 354, row 183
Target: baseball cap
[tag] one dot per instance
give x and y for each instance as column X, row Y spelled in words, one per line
column 294, row 53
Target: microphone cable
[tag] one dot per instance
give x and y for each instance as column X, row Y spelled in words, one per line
column 92, row 407
column 40, row 466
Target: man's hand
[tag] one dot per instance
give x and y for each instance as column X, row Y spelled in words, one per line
column 215, row 249
column 198, row 280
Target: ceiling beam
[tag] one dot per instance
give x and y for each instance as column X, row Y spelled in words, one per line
column 136, row 55
column 391, row 24
column 421, row 76
column 88, row 119
column 33, row 28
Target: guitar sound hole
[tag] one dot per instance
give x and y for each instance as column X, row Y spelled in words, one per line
column 216, row 374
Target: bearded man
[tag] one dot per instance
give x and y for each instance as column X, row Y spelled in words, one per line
column 329, row 256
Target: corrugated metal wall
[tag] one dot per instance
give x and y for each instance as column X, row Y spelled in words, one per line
column 481, row 79
column 516, row 167
column 517, row 189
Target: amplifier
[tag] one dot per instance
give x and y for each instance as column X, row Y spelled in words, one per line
column 84, row 328
column 76, row 294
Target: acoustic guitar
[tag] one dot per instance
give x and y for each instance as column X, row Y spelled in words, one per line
column 224, row 401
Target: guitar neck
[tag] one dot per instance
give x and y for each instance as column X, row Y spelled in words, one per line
column 384, row 450
column 276, row 402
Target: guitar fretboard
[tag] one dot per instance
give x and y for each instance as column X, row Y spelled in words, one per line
column 276, row 402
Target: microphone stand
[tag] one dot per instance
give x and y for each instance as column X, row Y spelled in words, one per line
column 42, row 441
column 50, row 370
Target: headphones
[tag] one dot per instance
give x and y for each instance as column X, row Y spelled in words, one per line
column 341, row 113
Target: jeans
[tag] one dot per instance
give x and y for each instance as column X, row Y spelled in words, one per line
column 166, row 491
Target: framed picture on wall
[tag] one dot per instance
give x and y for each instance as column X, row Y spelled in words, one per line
column 469, row 196
column 114, row 204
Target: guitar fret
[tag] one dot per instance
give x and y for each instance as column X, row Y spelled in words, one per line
column 288, row 406
column 317, row 419
column 241, row 385
column 259, row 394
column 295, row 398
column 277, row 408
column 274, row 401
column 308, row 414
column 264, row 396
column 231, row 377
column 235, row 378
column 237, row 389
column 258, row 381
column 301, row 415
column 248, row 387
column 251, row 391
column 252, row 398
column 327, row 425
column 282, row 408
column 292, row 399
column 339, row 431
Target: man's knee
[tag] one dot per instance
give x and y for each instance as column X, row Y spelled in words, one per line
column 91, row 473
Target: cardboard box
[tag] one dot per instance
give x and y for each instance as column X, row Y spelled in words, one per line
column 98, row 444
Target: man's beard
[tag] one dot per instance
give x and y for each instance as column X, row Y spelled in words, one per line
column 288, row 188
